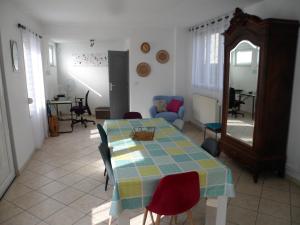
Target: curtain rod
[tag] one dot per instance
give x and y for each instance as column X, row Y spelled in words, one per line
column 210, row 22
column 25, row 28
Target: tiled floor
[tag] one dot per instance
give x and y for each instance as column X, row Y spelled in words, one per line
column 64, row 184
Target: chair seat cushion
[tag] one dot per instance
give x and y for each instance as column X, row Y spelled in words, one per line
column 169, row 116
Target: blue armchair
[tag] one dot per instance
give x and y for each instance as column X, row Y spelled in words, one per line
column 169, row 116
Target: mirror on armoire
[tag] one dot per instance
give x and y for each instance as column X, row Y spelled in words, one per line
column 243, row 77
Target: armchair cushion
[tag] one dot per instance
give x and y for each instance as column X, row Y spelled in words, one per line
column 161, row 105
column 169, row 116
column 174, row 105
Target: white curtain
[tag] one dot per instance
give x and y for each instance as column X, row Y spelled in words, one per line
column 208, row 59
column 35, row 85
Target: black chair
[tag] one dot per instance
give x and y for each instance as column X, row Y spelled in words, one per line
column 234, row 104
column 132, row 115
column 79, row 109
column 211, row 145
column 105, row 154
column 104, row 140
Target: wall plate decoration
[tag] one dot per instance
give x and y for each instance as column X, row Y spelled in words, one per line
column 90, row 59
column 145, row 47
column 14, row 55
column 162, row 56
column 143, row 69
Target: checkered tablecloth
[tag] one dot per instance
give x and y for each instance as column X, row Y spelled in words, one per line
column 139, row 165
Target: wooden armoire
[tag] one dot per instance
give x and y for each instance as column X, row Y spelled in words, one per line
column 259, row 65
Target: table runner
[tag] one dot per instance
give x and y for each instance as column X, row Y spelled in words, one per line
column 139, row 165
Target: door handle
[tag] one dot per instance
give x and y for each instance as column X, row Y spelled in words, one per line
column 111, row 85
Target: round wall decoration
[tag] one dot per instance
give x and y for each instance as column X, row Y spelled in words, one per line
column 145, row 47
column 162, row 56
column 143, row 69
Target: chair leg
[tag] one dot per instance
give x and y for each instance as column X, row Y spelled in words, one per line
column 109, row 220
column 190, row 216
column 145, row 216
column 106, row 183
column 152, row 219
column 158, row 220
column 176, row 219
column 104, row 172
column 171, row 220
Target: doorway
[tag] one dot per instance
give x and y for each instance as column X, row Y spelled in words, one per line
column 118, row 69
column 7, row 170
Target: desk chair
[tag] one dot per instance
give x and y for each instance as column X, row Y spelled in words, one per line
column 79, row 109
column 234, row 104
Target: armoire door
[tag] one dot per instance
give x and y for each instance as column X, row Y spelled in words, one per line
column 7, row 170
column 118, row 68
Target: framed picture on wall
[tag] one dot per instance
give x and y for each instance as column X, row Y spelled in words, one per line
column 14, row 55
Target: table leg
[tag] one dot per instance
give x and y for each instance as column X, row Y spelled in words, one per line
column 221, row 210
column 253, row 102
column 216, row 209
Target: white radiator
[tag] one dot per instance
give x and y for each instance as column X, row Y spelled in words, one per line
column 205, row 109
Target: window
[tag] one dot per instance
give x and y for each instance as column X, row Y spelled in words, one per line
column 244, row 58
column 51, row 55
column 214, row 48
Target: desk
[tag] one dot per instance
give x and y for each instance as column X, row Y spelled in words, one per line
column 139, row 165
column 246, row 96
column 56, row 104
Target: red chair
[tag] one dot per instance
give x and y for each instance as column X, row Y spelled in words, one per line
column 175, row 194
column 132, row 115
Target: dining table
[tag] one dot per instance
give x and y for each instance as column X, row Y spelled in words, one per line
column 138, row 166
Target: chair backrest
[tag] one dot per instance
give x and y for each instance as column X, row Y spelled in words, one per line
column 132, row 115
column 87, row 102
column 231, row 97
column 103, row 134
column 105, row 154
column 211, row 145
column 176, row 194
column 168, row 98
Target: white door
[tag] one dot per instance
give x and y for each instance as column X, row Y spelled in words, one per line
column 7, row 170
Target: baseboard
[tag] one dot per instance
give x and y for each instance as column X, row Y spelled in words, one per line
column 293, row 174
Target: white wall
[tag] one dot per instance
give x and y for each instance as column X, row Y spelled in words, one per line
column 15, row 82
column 161, row 79
column 76, row 80
column 287, row 10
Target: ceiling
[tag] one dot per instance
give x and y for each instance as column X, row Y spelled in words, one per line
column 61, row 18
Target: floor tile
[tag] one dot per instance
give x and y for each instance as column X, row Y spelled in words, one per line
column 87, row 204
column 72, row 166
column 30, row 199
column 38, row 182
column 22, row 219
column 52, row 188
column 65, row 216
column 87, row 185
column 71, row 178
column 57, row 173
column 249, row 188
column 263, row 219
column 237, row 216
column 245, row 201
column 276, row 195
column 101, row 193
column 275, row 209
column 295, row 188
column 68, row 195
column 277, row 183
column 16, row 190
column 296, row 214
column 8, row 210
column 295, row 199
column 46, row 208
column 43, row 169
